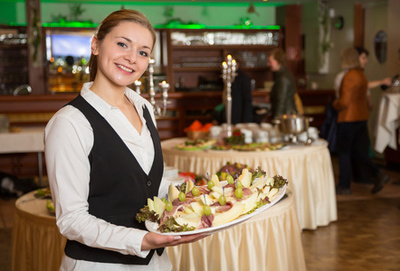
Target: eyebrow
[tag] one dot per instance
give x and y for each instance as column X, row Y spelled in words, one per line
column 129, row 40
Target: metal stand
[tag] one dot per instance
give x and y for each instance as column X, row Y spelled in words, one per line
column 228, row 75
column 158, row 112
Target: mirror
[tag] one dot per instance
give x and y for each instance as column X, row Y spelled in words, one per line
column 380, row 44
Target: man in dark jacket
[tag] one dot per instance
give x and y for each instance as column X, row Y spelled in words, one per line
column 283, row 90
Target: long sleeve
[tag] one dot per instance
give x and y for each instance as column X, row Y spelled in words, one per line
column 283, row 84
column 67, row 145
column 352, row 101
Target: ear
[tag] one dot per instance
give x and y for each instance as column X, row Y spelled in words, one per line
column 95, row 45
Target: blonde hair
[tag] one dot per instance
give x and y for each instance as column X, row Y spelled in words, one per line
column 350, row 59
column 111, row 21
column 279, row 55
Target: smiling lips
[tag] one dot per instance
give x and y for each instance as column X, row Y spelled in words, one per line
column 124, row 68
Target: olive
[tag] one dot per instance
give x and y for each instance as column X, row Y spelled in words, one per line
column 195, row 191
column 207, row 210
column 229, row 179
column 210, row 184
column 238, row 193
column 222, row 200
column 169, row 207
column 182, row 197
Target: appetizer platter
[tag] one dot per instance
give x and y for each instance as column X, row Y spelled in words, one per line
column 262, row 146
column 236, row 142
column 196, row 144
column 191, row 209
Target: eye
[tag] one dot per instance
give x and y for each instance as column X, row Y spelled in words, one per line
column 143, row 53
column 123, row 45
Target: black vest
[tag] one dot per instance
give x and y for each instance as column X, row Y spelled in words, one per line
column 118, row 185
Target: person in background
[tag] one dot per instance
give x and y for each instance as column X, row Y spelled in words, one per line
column 363, row 57
column 283, row 90
column 359, row 174
column 242, row 102
column 104, row 158
column 352, row 132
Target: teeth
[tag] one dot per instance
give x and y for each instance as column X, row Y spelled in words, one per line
column 125, row 68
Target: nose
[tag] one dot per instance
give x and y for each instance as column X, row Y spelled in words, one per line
column 131, row 56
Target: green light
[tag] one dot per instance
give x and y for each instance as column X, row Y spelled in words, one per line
column 87, row 24
column 18, row 24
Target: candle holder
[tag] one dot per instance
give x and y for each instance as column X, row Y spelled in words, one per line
column 158, row 111
column 228, row 76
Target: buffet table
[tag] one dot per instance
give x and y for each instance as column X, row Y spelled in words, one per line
column 27, row 140
column 307, row 168
column 36, row 242
column 388, row 122
column 270, row 239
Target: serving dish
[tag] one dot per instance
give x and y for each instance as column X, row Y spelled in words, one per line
column 152, row 226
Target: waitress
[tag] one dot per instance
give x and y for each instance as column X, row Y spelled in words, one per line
column 104, row 158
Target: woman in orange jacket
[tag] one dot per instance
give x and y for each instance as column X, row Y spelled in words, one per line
column 352, row 135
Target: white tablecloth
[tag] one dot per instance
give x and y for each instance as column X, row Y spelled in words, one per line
column 28, row 140
column 270, row 240
column 307, row 168
column 388, row 122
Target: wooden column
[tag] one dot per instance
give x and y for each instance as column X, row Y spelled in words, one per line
column 359, row 25
column 290, row 17
column 36, row 57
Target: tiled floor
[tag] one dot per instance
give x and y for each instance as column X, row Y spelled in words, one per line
column 365, row 237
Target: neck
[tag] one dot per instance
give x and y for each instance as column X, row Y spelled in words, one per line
column 112, row 94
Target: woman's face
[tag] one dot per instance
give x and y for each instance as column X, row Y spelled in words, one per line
column 363, row 60
column 124, row 53
column 273, row 64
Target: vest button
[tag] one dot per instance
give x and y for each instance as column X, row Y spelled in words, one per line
column 148, row 183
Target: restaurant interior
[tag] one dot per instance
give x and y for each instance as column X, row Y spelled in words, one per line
column 44, row 54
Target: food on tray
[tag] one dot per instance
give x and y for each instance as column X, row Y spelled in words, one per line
column 196, row 144
column 197, row 130
column 50, row 207
column 189, row 207
column 198, row 179
column 43, row 193
column 237, row 138
column 198, row 126
column 230, row 170
column 237, row 142
column 262, row 146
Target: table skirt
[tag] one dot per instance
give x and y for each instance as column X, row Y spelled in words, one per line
column 269, row 241
column 36, row 241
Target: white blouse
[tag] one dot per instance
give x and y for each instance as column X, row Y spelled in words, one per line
column 68, row 142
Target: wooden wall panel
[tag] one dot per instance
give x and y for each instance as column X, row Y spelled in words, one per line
column 359, row 25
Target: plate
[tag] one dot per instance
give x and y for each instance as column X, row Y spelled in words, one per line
column 152, row 226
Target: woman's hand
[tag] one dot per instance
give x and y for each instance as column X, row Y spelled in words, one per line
column 153, row 240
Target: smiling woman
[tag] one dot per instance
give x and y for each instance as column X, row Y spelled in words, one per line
column 104, row 158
